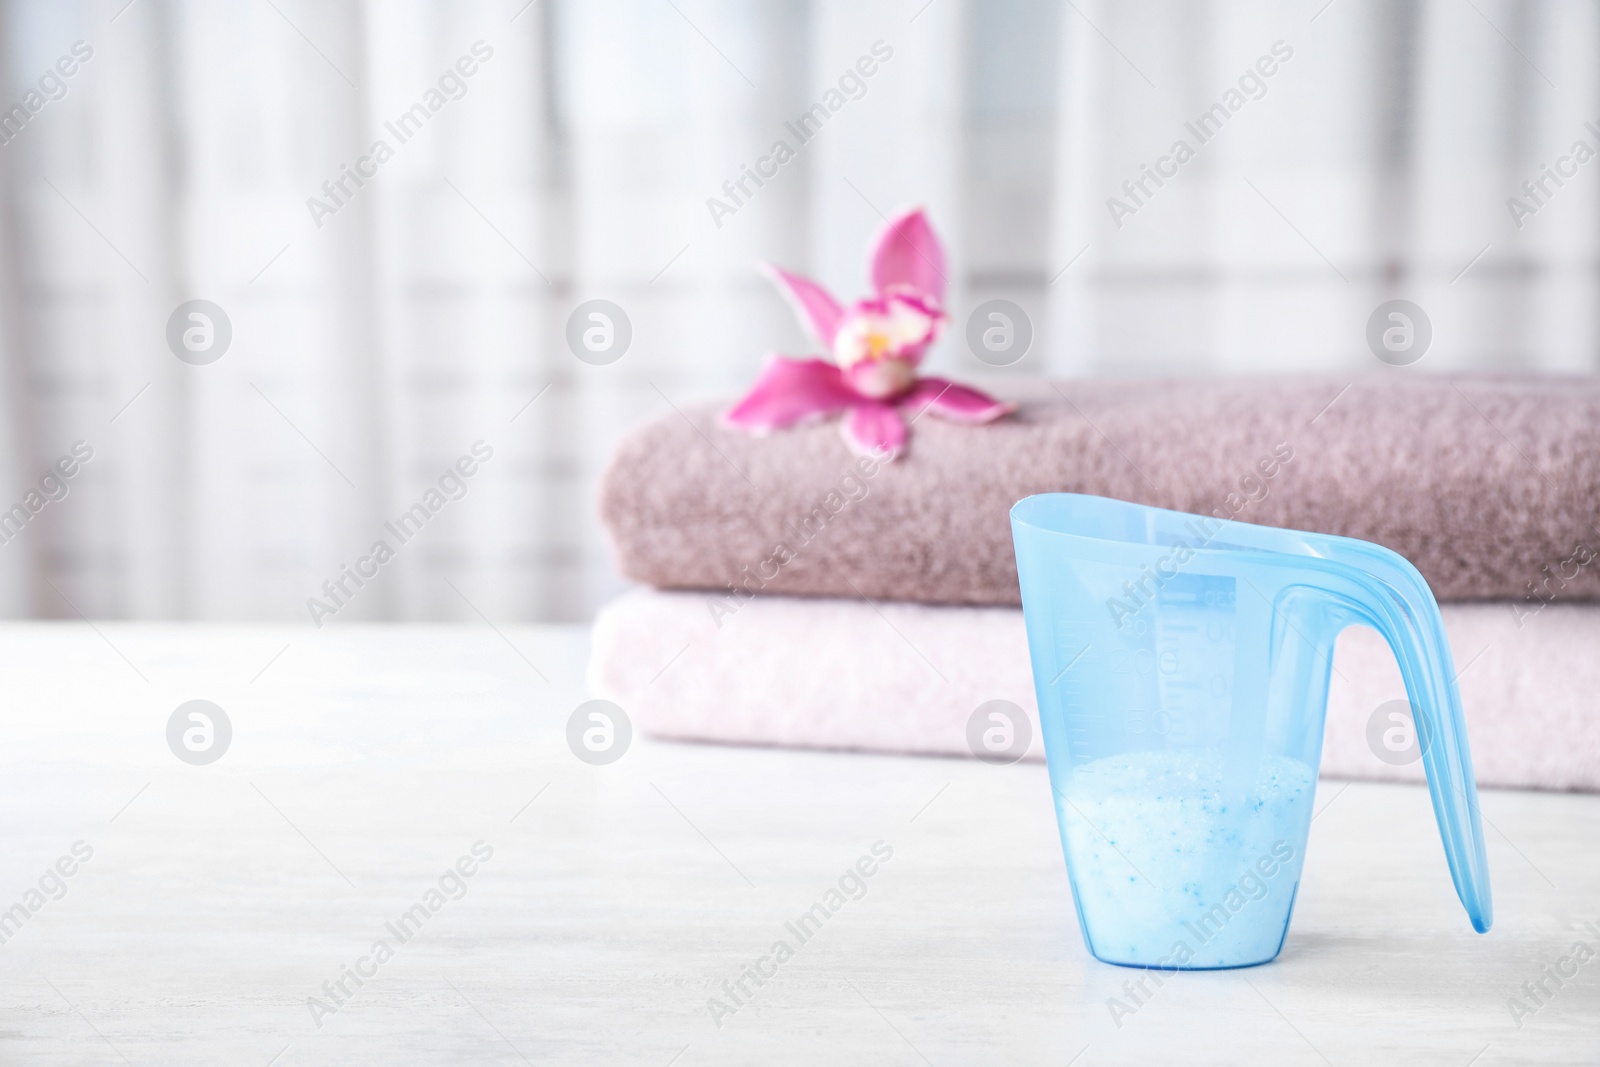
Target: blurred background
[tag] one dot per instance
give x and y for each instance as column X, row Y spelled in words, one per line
column 381, row 329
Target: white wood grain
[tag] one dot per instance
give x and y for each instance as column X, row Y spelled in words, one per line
column 367, row 759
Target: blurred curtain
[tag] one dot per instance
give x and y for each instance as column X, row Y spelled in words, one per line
column 374, row 344
column 1375, row 162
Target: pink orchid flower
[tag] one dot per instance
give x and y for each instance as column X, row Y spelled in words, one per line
column 877, row 344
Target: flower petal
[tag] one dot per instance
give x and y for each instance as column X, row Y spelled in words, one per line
column 908, row 252
column 873, row 428
column 789, row 391
column 813, row 305
column 958, row 403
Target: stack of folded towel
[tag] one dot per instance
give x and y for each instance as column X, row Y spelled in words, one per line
column 804, row 596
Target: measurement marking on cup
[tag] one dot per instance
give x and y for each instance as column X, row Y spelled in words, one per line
column 1068, row 667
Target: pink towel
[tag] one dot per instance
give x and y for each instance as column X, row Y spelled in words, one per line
column 1487, row 484
column 889, row 677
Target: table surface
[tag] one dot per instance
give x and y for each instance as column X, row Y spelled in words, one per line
column 366, row 761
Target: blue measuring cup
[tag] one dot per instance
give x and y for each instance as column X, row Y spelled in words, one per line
column 1182, row 664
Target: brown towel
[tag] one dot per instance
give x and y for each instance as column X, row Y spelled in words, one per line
column 1490, row 485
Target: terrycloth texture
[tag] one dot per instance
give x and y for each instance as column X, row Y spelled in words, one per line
column 906, row 677
column 1478, row 481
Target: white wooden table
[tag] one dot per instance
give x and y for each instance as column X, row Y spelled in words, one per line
column 618, row 899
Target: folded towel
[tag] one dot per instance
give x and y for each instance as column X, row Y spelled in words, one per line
column 847, row 674
column 1487, row 484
